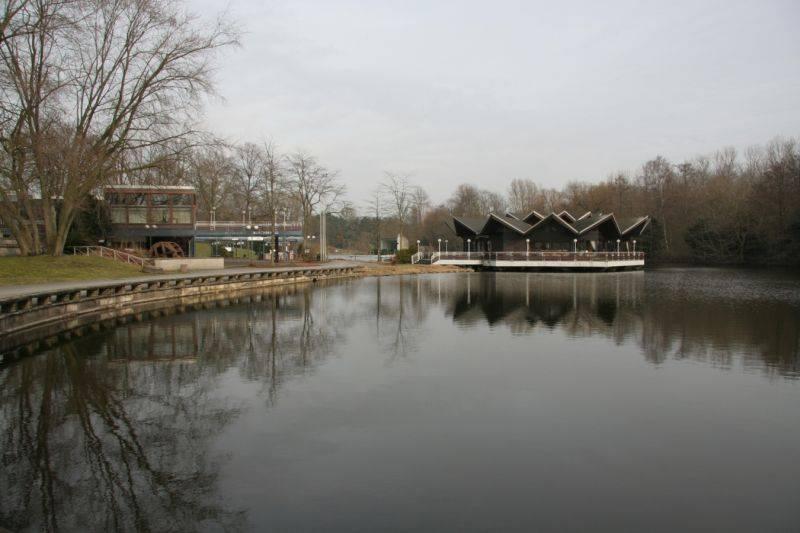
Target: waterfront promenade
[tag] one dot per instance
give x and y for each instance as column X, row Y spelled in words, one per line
column 19, row 291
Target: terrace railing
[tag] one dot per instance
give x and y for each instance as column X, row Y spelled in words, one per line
column 111, row 253
column 255, row 226
column 537, row 256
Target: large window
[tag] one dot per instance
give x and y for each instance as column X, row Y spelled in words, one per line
column 159, row 215
column 182, row 199
column 134, row 198
column 118, row 215
column 151, row 207
column 137, row 215
column 181, row 215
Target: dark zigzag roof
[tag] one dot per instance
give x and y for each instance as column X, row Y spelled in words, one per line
column 475, row 224
column 580, row 226
column 590, row 221
column 518, row 225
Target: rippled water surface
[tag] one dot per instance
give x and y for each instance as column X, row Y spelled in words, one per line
column 666, row 400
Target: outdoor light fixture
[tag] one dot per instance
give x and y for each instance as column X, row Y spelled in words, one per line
column 440, row 246
column 527, row 248
column 634, row 245
column 469, row 247
column 417, row 245
column 575, row 246
column 617, row 245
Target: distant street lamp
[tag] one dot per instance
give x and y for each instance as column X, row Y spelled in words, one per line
column 617, row 245
column 440, row 246
column 469, row 247
column 527, row 248
column 575, row 246
column 417, row 245
column 634, row 245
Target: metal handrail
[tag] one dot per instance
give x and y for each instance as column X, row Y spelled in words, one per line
column 283, row 226
column 110, row 253
column 537, row 256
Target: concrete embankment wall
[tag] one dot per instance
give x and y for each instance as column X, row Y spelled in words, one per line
column 41, row 316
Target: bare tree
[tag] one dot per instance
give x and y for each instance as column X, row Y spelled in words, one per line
column 273, row 183
column 81, row 84
column 399, row 194
column 376, row 207
column 420, row 202
column 313, row 185
column 210, row 173
column 465, row 201
column 491, row 202
column 248, row 175
column 523, row 196
column 656, row 179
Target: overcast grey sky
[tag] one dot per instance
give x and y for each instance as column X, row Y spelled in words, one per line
column 484, row 92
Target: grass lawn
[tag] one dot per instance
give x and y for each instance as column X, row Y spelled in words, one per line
column 44, row 269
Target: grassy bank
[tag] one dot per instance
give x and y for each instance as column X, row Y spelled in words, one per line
column 386, row 269
column 45, row 269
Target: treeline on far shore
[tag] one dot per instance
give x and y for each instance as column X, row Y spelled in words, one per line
column 724, row 208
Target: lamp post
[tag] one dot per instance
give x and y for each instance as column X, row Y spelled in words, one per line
column 527, row 248
column 634, row 246
column 440, row 247
column 469, row 247
column 575, row 246
column 617, row 245
column 417, row 245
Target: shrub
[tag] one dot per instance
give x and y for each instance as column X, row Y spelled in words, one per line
column 403, row 256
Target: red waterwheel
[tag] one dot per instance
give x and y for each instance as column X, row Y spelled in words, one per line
column 166, row 249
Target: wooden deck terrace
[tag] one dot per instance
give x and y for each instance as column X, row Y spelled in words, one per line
column 538, row 260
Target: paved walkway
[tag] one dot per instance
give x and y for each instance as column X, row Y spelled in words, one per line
column 16, row 291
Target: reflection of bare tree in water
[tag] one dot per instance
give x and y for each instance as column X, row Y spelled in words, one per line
column 93, row 446
column 111, row 432
column 279, row 335
column 399, row 340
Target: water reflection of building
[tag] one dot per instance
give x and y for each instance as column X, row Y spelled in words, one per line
column 545, row 299
column 151, row 341
column 649, row 309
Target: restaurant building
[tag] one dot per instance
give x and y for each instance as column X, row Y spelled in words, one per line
column 142, row 216
column 590, row 232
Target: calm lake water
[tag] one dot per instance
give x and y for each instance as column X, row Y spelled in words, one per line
column 666, row 400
